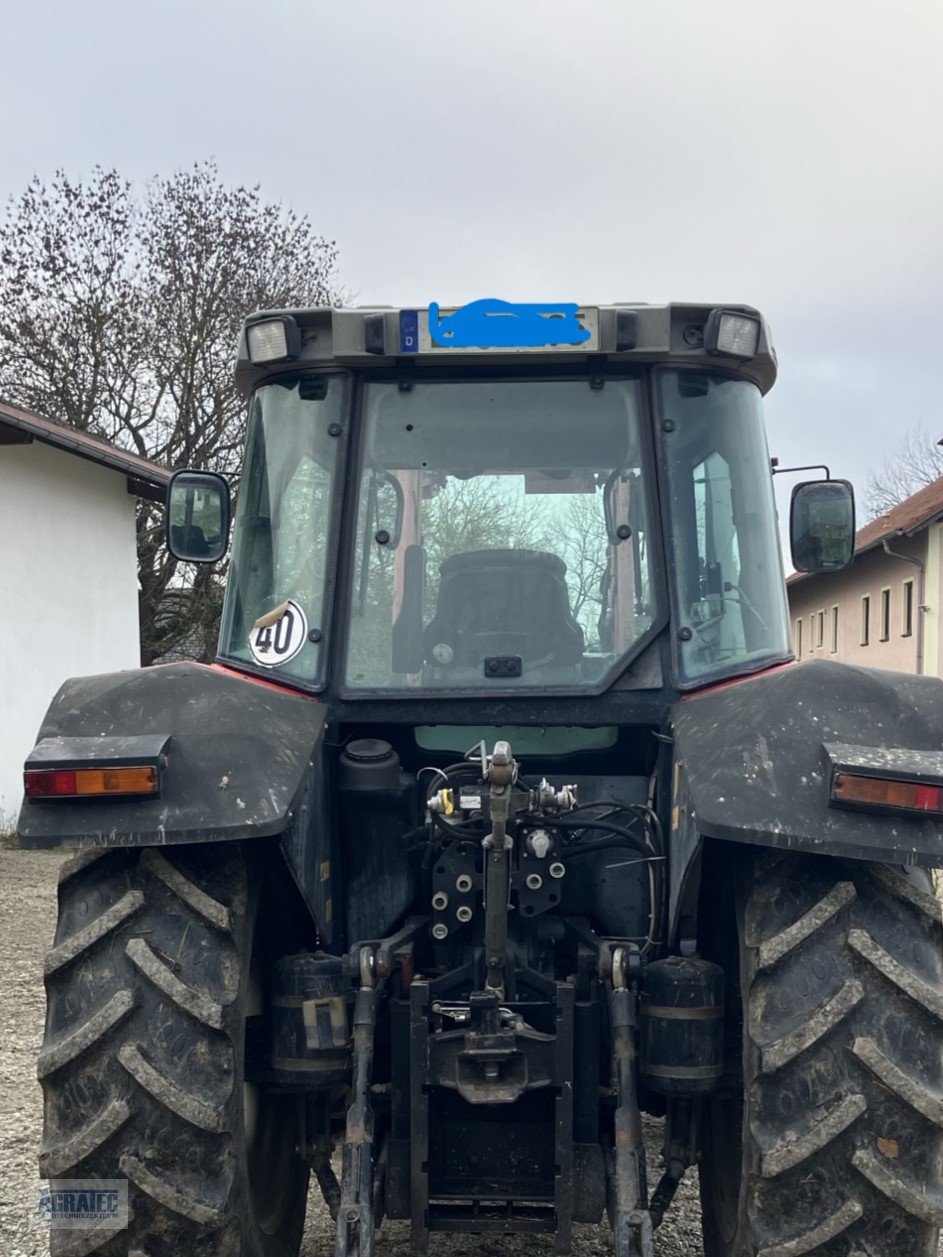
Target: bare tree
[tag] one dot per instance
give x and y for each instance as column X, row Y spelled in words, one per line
column 119, row 314
column 478, row 514
column 917, row 463
column 583, row 544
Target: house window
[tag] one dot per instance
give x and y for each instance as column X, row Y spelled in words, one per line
column 799, row 639
column 834, row 630
column 885, row 615
column 812, row 633
column 866, row 620
column 819, row 629
column 907, row 610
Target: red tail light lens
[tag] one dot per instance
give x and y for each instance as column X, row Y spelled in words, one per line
column 55, row 783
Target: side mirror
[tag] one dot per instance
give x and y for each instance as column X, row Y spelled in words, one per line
column 822, row 525
column 198, row 516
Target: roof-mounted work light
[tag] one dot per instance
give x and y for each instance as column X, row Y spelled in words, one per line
column 732, row 333
column 273, row 340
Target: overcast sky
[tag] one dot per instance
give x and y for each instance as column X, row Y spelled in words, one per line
column 782, row 153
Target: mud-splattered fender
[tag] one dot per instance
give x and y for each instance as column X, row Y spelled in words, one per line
column 754, row 768
column 239, row 755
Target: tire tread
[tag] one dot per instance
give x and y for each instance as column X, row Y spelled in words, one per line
column 86, row 1035
column 165, row 1193
column 195, row 898
column 841, row 968
column 197, row 1003
column 57, row 1161
column 183, row 1103
column 83, row 940
column 892, row 969
column 774, row 949
column 146, row 1004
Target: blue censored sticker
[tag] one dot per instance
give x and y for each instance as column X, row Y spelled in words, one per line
column 493, row 324
column 409, row 331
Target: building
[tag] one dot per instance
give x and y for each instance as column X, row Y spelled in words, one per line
column 884, row 611
column 68, row 572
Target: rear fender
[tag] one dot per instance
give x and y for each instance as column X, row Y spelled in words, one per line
column 751, row 766
column 244, row 762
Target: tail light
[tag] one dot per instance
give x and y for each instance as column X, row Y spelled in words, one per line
column 96, row 768
column 75, row 783
column 882, row 793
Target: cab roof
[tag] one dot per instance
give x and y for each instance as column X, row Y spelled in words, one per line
column 622, row 333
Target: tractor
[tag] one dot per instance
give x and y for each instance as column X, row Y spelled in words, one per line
column 504, row 816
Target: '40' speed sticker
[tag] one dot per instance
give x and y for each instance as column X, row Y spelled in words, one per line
column 278, row 636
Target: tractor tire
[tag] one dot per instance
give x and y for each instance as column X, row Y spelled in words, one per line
column 827, row 1136
column 154, row 993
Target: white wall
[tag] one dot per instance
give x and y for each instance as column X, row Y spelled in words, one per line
column 68, row 589
column 868, row 575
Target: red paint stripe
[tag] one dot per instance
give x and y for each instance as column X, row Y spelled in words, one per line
column 254, row 680
column 731, row 681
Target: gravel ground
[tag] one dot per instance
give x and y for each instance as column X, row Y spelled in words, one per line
column 27, row 922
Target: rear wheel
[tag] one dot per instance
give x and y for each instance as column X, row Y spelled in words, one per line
column 827, row 1137
column 155, row 1003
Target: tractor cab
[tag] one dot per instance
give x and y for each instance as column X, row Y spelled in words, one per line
column 420, row 518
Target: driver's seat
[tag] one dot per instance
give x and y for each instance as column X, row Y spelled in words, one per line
column 503, row 603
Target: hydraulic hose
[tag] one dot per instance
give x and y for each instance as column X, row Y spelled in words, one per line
column 604, row 844
column 606, row 827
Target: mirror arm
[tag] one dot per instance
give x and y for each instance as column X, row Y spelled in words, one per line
column 782, row 471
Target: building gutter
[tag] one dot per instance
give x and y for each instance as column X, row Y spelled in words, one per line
column 921, row 607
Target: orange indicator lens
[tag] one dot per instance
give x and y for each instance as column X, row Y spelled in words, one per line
column 116, row 781
column 908, row 796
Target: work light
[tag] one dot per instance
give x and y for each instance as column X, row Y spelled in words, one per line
column 732, row 333
column 273, row 340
